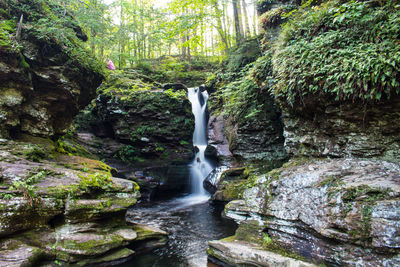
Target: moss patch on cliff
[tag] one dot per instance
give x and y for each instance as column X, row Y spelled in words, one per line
column 348, row 51
column 149, row 122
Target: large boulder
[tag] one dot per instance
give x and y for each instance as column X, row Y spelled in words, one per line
column 66, row 207
column 44, row 83
column 341, row 211
column 148, row 122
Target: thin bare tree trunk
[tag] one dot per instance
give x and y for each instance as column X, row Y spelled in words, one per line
column 238, row 31
column 246, row 20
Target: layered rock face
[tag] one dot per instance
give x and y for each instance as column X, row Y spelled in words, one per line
column 137, row 123
column 337, row 200
column 42, row 86
column 344, row 130
column 343, row 212
column 55, row 205
column 68, row 208
column 258, row 138
column 154, row 122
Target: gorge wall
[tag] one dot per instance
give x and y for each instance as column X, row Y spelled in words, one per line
column 336, row 201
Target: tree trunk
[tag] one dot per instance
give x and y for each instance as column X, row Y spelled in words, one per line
column 219, row 26
column 238, row 32
column 246, row 19
column 239, row 9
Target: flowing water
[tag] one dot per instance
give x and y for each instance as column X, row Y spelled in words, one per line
column 200, row 166
column 191, row 221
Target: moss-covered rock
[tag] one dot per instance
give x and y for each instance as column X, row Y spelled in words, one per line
column 65, row 207
column 14, row 253
column 149, row 122
column 46, row 75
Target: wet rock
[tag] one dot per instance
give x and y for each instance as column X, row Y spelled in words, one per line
column 174, row 86
column 211, row 181
column 70, row 208
column 216, row 135
column 148, row 123
column 20, row 213
column 230, row 185
column 14, row 253
column 350, row 203
column 113, row 258
column 84, row 210
column 211, row 152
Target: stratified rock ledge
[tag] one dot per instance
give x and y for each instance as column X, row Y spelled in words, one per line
column 237, row 253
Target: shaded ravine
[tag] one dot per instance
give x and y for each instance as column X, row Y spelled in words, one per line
column 190, row 220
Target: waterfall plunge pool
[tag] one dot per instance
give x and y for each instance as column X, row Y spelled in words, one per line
column 190, row 220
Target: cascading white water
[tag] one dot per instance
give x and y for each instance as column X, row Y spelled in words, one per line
column 200, row 167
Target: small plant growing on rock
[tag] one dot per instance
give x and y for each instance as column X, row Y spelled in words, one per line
column 96, row 180
column 36, row 154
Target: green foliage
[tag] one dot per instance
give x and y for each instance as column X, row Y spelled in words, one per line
column 183, row 143
column 142, row 131
column 348, row 51
column 48, row 21
column 26, row 187
column 96, row 180
column 241, row 99
column 178, row 94
column 127, row 153
column 7, row 27
column 266, row 239
column 242, row 55
column 275, row 16
column 36, row 154
column 176, row 70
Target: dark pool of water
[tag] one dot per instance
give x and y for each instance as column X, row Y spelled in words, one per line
column 190, row 222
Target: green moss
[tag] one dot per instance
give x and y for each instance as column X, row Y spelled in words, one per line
column 70, row 147
column 22, row 62
column 36, row 154
column 277, row 248
column 275, row 16
column 96, row 180
column 46, row 20
column 250, row 231
column 365, row 194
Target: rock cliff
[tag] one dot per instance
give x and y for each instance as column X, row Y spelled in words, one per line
column 336, row 201
column 335, row 129
column 45, row 79
column 147, row 130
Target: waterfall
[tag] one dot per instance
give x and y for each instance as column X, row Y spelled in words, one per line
column 200, row 167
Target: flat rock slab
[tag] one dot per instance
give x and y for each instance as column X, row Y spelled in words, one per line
column 244, row 254
column 15, row 254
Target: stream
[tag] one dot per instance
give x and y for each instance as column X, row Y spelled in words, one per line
column 190, row 220
column 190, row 223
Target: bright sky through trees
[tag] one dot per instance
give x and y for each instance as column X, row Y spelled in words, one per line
column 130, row 31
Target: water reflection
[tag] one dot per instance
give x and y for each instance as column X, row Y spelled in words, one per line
column 190, row 222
